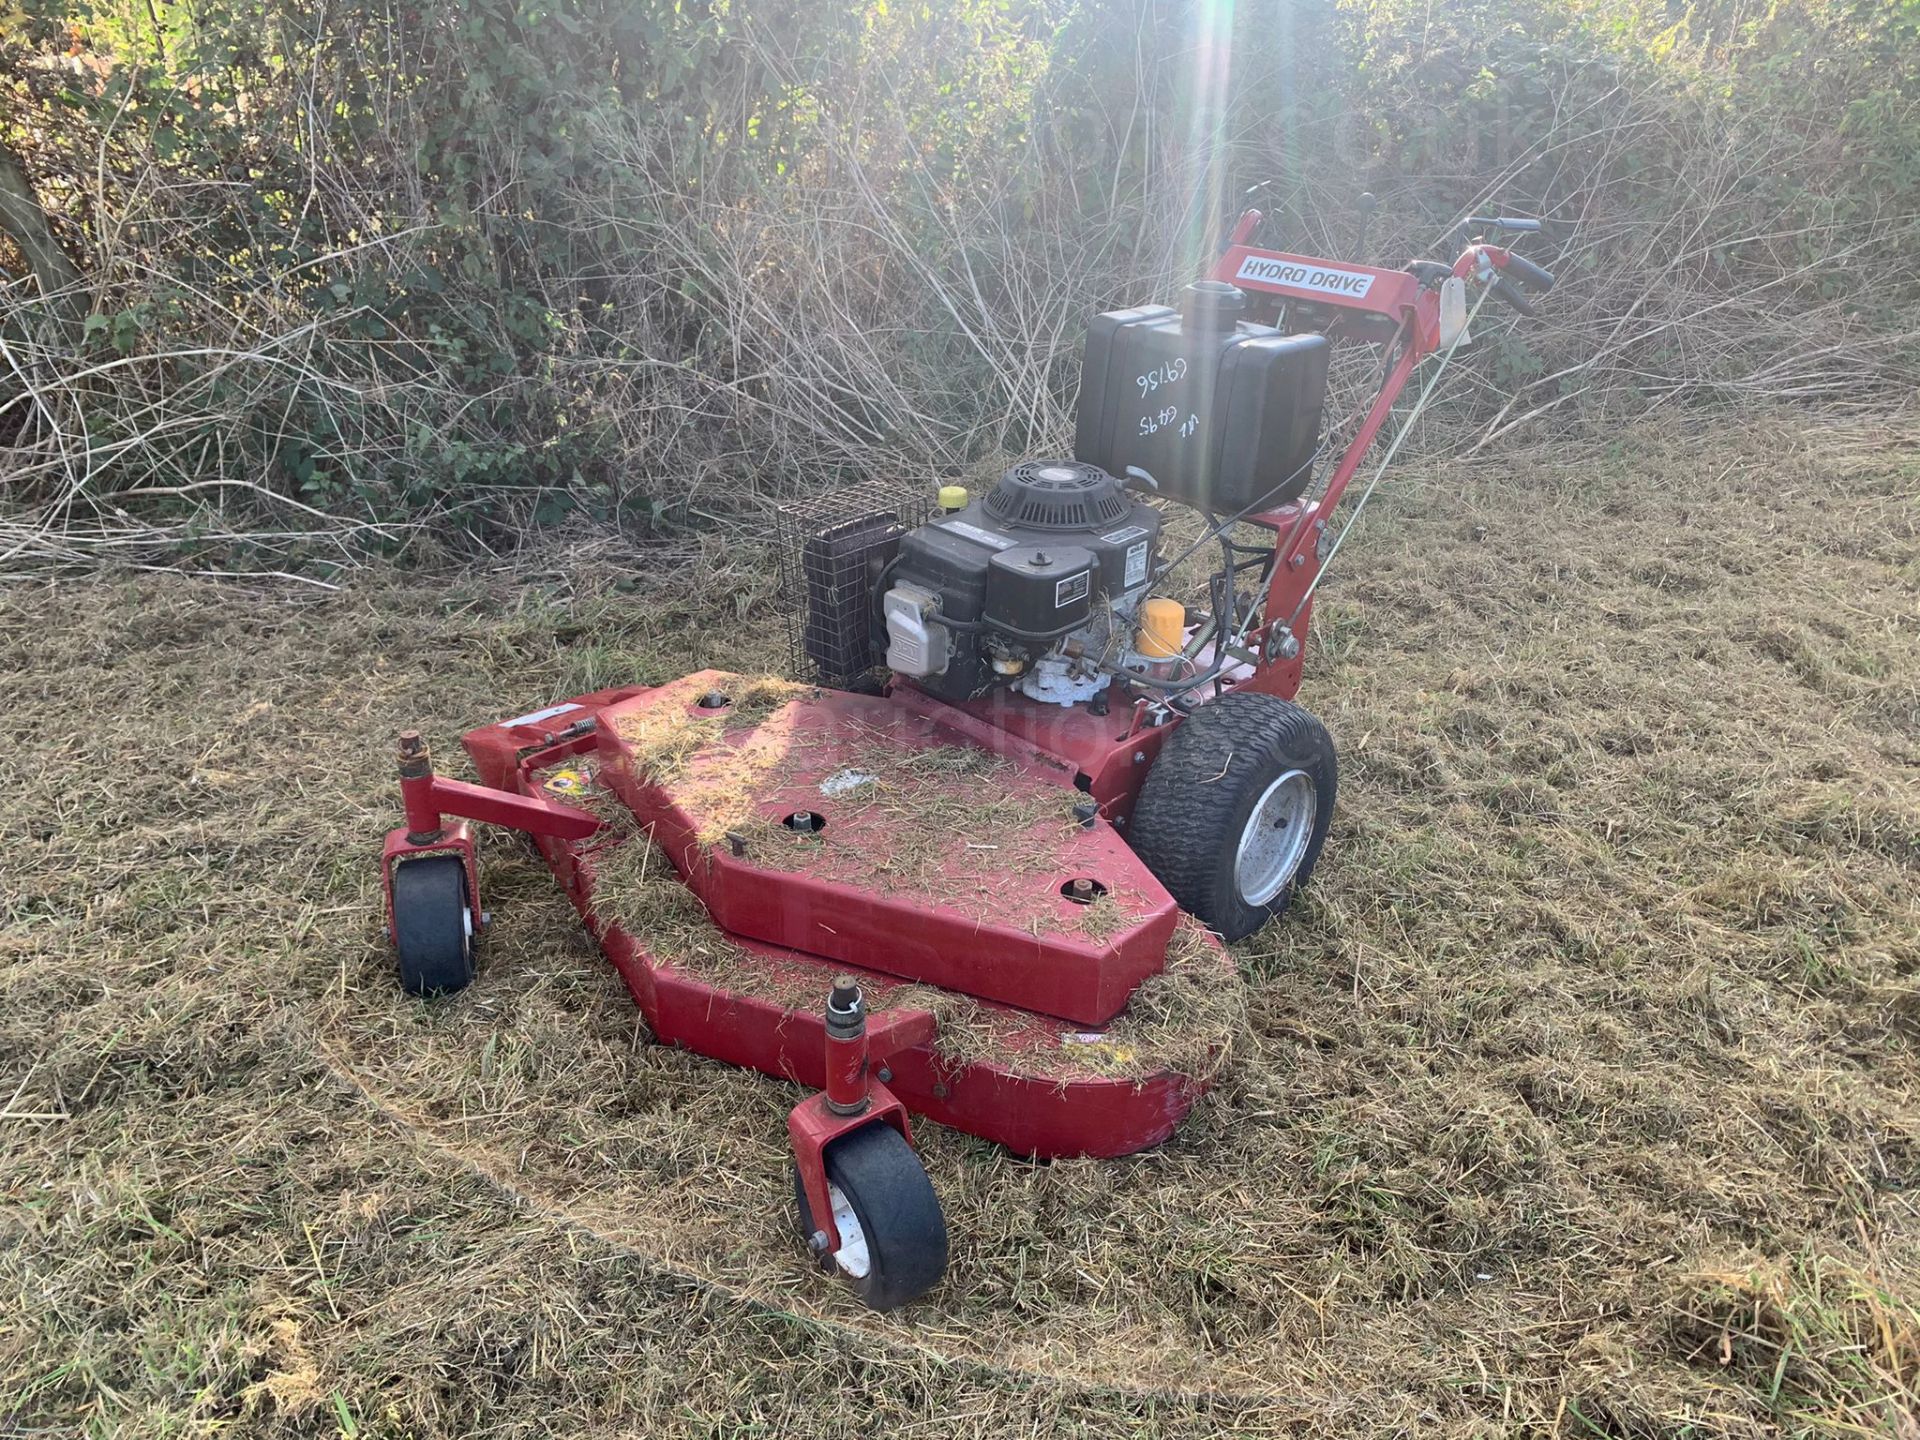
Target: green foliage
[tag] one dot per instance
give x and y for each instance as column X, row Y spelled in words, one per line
column 511, row 259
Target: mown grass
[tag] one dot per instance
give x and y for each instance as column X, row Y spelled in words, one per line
column 1580, row 1097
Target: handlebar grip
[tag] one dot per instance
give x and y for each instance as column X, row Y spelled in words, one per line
column 1528, row 273
column 1518, row 224
column 1504, row 289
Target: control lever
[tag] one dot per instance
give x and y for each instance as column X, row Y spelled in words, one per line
column 1366, row 204
column 1533, row 276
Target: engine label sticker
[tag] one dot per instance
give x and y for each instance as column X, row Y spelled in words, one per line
column 1136, row 564
column 1120, row 537
column 974, row 532
column 1074, row 587
column 1325, row 279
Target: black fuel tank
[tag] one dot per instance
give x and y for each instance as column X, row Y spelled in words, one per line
column 1221, row 413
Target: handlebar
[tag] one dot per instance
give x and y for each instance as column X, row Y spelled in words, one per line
column 1529, row 274
column 1502, row 288
column 1504, row 273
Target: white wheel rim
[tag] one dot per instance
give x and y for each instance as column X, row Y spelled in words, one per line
column 852, row 1257
column 1274, row 841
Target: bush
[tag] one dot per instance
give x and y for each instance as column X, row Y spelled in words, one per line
column 339, row 277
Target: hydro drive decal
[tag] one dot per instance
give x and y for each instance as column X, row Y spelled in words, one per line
column 1354, row 284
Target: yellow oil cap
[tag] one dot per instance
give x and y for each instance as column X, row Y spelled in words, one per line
column 1163, row 628
column 953, row 497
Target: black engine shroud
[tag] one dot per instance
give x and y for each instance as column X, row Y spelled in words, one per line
column 1026, row 565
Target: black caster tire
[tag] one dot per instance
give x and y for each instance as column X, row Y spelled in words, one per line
column 895, row 1248
column 433, row 925
column 1234, row 813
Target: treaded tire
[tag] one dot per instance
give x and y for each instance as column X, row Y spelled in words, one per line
column 432, row 928
column 1203, row 790
column 899, row 1214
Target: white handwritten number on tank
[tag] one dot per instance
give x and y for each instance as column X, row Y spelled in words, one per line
column 1154, row 424
column 1162, row 374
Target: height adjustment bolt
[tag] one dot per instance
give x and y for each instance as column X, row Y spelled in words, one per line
column 415, row 760
column 846, row 1008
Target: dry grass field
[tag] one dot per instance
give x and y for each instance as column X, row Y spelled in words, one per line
column 1581, row 1099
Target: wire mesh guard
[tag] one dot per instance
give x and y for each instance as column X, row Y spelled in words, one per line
column 834, row 549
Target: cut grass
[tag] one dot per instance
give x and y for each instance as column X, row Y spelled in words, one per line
column 1579, row 1097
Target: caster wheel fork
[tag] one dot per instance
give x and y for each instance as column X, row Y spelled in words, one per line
column 862, row 1197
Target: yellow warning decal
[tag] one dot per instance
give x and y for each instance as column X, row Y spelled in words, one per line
column 567, row 782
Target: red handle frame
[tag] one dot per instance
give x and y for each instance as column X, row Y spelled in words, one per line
column 1352, row 290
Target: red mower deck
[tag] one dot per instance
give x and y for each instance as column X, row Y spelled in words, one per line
column 1038, row 1084
column 879, row 833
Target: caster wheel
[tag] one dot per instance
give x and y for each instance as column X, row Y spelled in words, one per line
column 893, row 1238
column 433, row 925
column 1234, row 813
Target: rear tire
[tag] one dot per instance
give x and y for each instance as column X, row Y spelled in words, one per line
column 895, row 1248
column 1234, row 813
column 433, row 925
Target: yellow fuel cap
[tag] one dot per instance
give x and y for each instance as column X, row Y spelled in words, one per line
column 953, row 497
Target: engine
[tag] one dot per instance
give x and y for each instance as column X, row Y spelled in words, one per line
column 1036, row 585
column 1041, row 584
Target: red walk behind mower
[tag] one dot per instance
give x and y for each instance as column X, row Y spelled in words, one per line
column 949, row 875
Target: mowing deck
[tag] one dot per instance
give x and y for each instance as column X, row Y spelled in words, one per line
column 921, row 855
column 1024, row 1076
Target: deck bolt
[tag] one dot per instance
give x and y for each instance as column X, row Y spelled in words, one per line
column 884, row 1075
column 1086, row 812
column 817, row 1242
column 737, row 843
